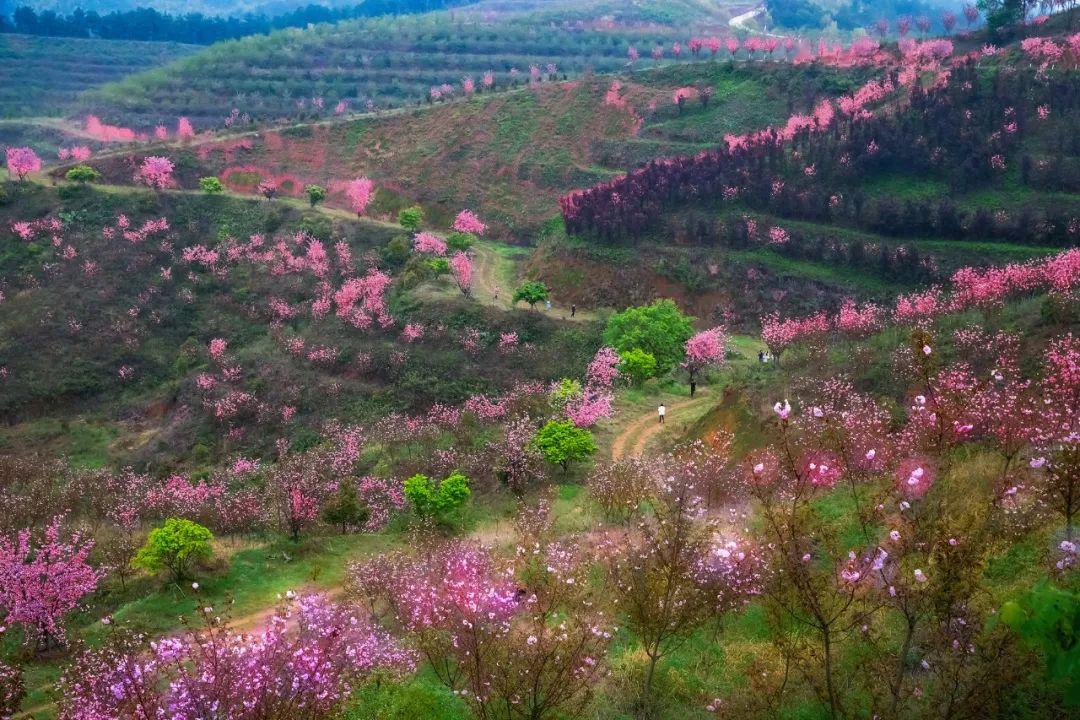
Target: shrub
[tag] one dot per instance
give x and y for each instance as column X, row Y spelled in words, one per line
column 561, row 443
column 211, row 185
column 437, row 500
column 315, row 194
column 173, row 546
column 345, row 509
column 411, row 217
column 460, row 241
column 82, row 174
column 531, row 292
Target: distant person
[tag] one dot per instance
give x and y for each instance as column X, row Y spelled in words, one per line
column 573, row 310
column 495, row 290
column 547, row 305
column 693, row 388
column 761, row 356
column 661, row 411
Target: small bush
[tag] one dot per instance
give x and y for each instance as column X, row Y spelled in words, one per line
column 173, row 547
column 211, row 185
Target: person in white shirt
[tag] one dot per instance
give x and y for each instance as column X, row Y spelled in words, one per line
column 661, row 411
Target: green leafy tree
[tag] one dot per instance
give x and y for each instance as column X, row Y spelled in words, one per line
column 460, row 241
column 531, row 292
column 637, row 364
column 1048, row 619
column 211, row 185
column 173, row 547
column 1002, row 14
column 411, row 217
column 345, row 509
column 83, row 174
column 437, row 500
column 315, row 194
column 660, row 329
column 561, row 443
column 397, row 250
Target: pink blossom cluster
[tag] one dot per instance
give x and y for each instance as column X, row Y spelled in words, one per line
column 312, row 654
column 412, row 333
column 462, row 270
column 590, row 406
column 108, row 133
column 21, row 161
column 78, row 153
column 467, row 222
column 29, row 229
column 156, row 172
column 971, row 288
column 360, row 192
column 42, row 581
column 361, row 302
column 429, row 244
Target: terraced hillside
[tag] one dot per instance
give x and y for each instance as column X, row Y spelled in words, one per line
column 514, row 152
column 391, row 61
column 978, row 167
column 44, row 76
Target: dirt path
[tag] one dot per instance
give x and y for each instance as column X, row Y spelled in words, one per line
column 637, row 436
column 490, row 274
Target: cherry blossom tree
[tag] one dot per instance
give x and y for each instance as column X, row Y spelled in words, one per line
column 12, row 691
column 467, row 222
column 971, row 14
column 461, row 267
column 603, row 370
column 303, row 665
column 155, row 172
column 519, row 640
column 359, row 193
column 705, row 349
column 184, row 130
column 21, row 161
column 661, row 572
column 429, row 243
column 41, row 582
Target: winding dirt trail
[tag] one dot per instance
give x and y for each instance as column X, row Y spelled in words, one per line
column 636, row 437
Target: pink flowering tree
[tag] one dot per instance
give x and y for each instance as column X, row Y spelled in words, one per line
column 21, row 161
column 184, row 130
column 705, row 349
column 12, row 691
column 41, row 582
column 467, row 222
column 359, row 193
column 665, row 574
column 304, row 663
column 603, row 370
column 461, row 267
column 589, row 407
column 429, row 244
column 299, row 485
column 518, row 639
column 155, row 172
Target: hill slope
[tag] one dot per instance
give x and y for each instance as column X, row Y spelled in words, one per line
column 391, row 61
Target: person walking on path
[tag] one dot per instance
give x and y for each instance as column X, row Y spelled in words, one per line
column 573, row 310
column 495, row 290
column 693, row 388
column 547, row 305
column 661, row 411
